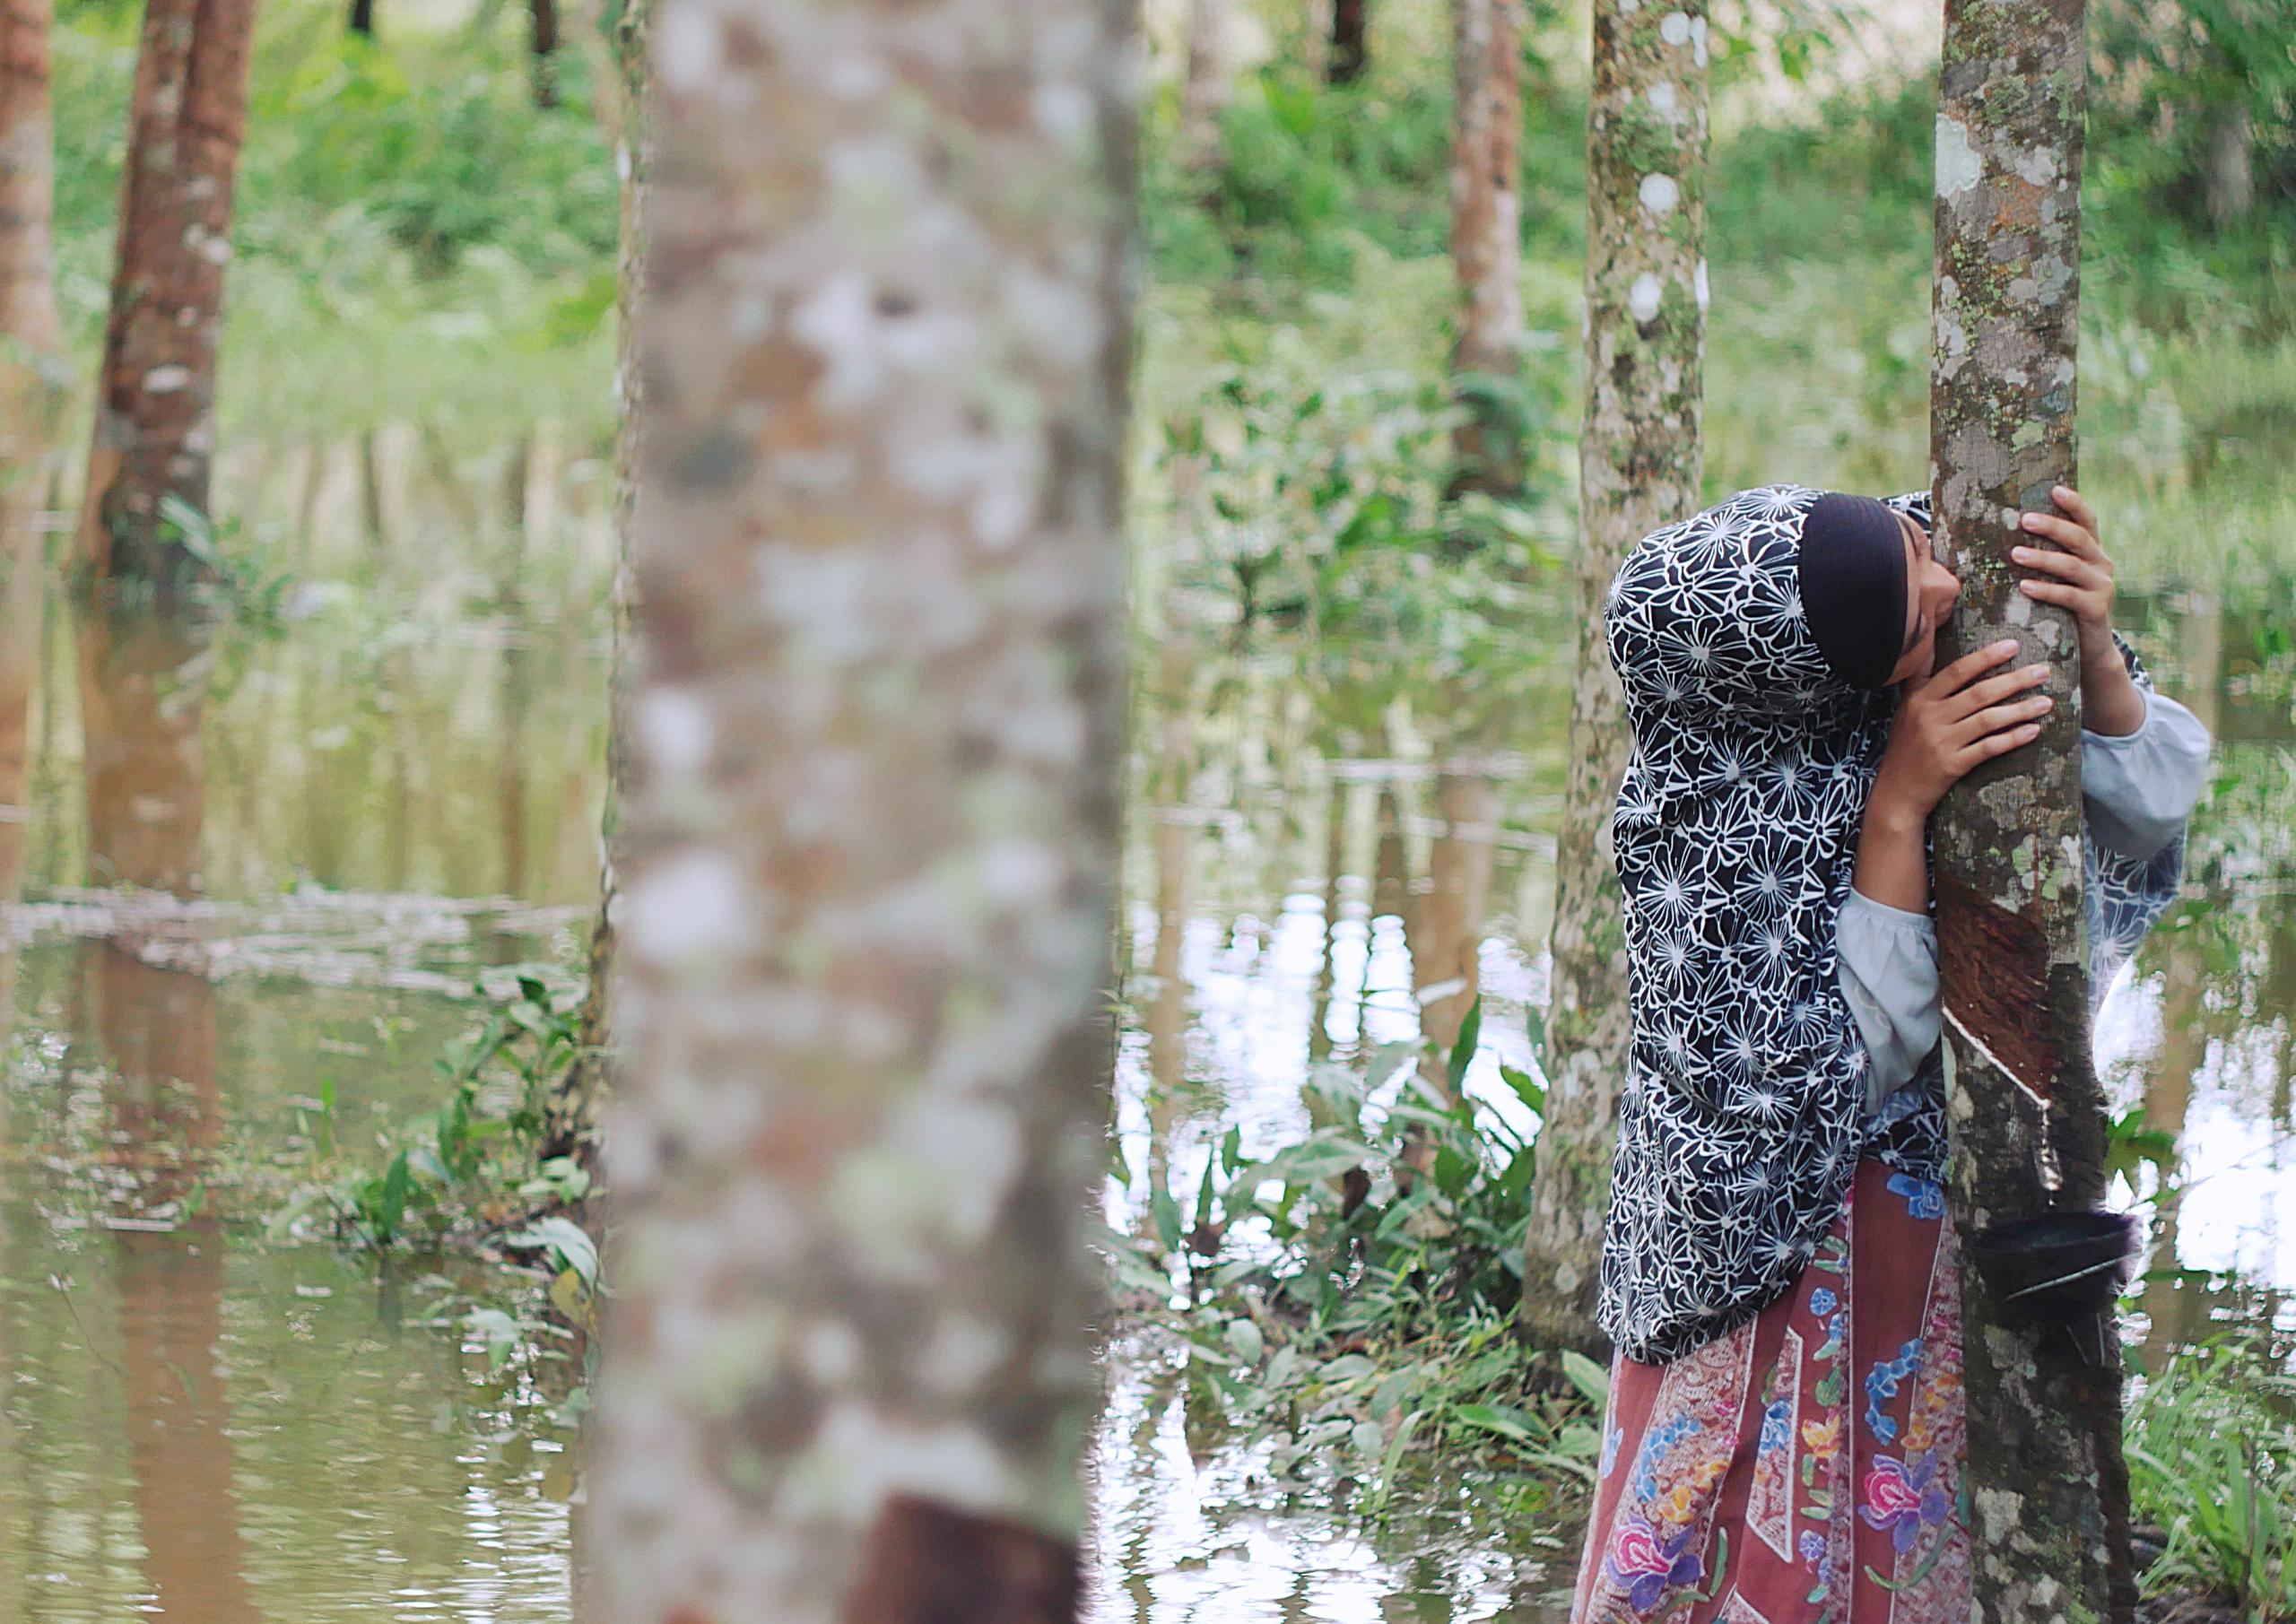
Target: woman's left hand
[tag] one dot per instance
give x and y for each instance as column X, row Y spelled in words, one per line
column 2080, row 578
column 2077, row 574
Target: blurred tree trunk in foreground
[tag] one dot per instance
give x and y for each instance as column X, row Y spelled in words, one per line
column 1348, row 57
column 2046, row 1473
column 870, row 848
column 570, row 1113
column 1486, row 237
column 1638, row 470
column 155, row 393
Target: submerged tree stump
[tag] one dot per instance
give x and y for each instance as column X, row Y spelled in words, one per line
column 2048, row 1487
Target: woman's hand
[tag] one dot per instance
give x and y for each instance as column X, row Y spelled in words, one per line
column 2077, row 576
column 1947, row 722
column 1952, row 720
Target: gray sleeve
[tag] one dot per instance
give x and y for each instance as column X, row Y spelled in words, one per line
column 1889, row 977
column 2138, row 789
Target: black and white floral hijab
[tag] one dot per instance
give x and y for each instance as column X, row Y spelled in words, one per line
column 1742, row 1117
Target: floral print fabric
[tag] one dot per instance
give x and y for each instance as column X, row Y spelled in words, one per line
column 1806, row 1466
column 1743, row 1108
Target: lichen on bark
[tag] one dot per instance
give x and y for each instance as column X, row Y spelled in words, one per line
column 2046, row 1473
column 868, row 861
column 1638, row 470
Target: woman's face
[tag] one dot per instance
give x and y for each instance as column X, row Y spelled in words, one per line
column 1930, row 589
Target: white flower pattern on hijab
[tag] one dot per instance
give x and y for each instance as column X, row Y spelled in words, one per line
column 1742, row 1119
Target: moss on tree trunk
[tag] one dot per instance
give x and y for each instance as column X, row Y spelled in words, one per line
column 2048, row 1487
column 1638, row 470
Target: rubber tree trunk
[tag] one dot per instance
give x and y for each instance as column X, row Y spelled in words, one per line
column 1638, row 470
column 2046, row 1473
column 1348, row 57
column 570, row 1113
column 155, row 393
column 542, row 42
column 868, row 872
column 1204, row 95
column 32, row 364
column 1486, row 237
column 28, row 317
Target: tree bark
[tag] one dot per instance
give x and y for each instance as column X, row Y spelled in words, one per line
column 868, row 867
column 544, row 43
column 28, row 317
column 1204, row 95
column 2229, row 183
column 1348, row 57
column 1638, row 470
column 155, row 394
column 571, row 1113
column 2047, row 1482
column 1486, row 237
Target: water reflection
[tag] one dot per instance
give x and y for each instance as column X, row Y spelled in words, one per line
column 196, row 1425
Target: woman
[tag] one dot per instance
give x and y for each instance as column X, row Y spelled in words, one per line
column 1784, row 1439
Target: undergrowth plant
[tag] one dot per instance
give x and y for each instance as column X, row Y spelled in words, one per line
column 1350, row 1297
column 2212, row 1457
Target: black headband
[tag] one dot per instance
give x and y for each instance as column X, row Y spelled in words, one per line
column 1852, row 568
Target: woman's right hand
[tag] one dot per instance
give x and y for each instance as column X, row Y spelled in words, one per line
column 1954, row 720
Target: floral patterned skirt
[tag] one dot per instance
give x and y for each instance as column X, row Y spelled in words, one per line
column 1807, row 1466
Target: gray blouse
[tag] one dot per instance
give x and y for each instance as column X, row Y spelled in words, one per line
column 2136, row 788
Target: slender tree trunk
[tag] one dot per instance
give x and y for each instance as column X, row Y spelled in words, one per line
column 2046, row 1473
column 155, row 394
column 371, row 522
column 1204, row 96
column 1347, row 59
column 27, row 318
column 544, row 42
column 2228, row 185
column 1486, row 237
column 1638, row 470
column 363, row 18
column 570, row 1116
column 868, row 874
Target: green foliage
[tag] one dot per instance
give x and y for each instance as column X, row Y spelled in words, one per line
column 1356, row 1289
column 2211, row 1454
column 467, row 1166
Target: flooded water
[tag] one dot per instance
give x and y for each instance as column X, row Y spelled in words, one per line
column 339, row 828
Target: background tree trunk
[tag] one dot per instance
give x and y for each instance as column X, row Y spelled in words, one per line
column 571, row 1113
column 2046, row 1473
column 544, row 50
column 868, row 877
column 363, row 18
column 155, row 394
column 1348, row 56
column 28, row 317
column 1638, row 470
column 1204, row 95
column 32, row 362
column 1486, row 235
